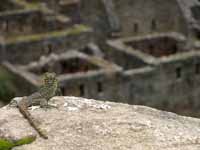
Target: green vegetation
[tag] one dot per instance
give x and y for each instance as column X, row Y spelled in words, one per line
column 27, row 5
column 26, row 140
column 5, row 144
column 8, row 145
column 7, row 88
column 75, row 30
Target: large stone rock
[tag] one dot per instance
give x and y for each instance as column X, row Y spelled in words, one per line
column 83, row 124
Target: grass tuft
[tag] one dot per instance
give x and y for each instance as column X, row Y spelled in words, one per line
column 8, row 145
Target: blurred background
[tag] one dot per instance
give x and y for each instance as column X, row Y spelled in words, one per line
column 140, row 52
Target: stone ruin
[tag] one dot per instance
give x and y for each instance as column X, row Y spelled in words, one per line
column 133, row 51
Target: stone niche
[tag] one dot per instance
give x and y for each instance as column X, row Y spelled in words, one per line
column 67, row 65
column 125, row 58
column 71, row 8
column 24, row 23
column 157, row 46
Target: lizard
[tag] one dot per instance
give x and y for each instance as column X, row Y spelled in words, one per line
column 44, row 94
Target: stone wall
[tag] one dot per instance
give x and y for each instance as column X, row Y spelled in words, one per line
column 70, row 8
column 121, row 56
column 25, row 22
column 136, row 17
column 93, row 13
column 147, row 16
column 98, row 84
column 174, row 81
column 183, row 78
column 30, row 48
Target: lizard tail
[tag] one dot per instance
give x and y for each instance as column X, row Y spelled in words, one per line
column 30, row 119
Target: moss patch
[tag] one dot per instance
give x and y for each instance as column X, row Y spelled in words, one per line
column 8, row 145
column 26, row 5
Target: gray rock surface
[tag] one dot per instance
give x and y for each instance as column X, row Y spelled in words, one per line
column 83, row 124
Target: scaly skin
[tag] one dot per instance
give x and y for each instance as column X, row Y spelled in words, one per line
column 46, row 91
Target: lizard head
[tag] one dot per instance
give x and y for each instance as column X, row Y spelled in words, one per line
column 49, row 78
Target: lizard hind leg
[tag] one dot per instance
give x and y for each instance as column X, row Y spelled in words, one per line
column 44, row 104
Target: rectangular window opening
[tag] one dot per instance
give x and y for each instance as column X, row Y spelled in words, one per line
column 135, row 28
column 178, row 72
column 99, row 87
column 62, row 89
column 153, row 25
column 7, row 25
column 197, row 68
column 82, row 90
column 49, row 49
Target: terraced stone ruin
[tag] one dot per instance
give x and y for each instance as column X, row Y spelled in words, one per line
column 107, row 49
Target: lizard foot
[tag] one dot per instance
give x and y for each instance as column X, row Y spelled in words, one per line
column 46, row 107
